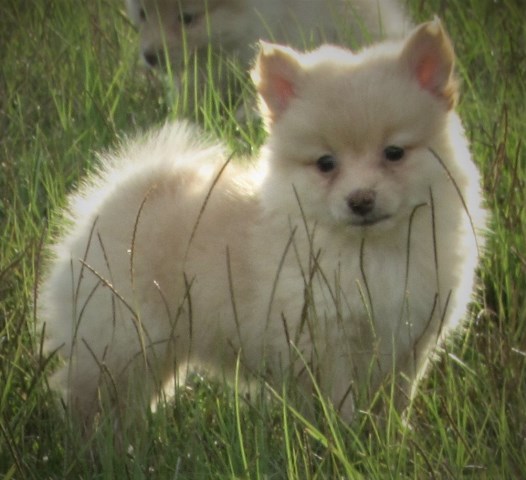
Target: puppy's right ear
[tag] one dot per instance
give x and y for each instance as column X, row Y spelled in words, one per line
column 429, row 56
column 276, row 75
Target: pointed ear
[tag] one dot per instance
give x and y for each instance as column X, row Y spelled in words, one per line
column 429, row 55
column 276, row 76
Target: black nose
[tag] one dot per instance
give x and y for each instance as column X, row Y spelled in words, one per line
column 361, row 202
column 151, row 58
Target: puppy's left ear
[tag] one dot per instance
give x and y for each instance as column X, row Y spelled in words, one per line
column 276, row 76
column 429, row 55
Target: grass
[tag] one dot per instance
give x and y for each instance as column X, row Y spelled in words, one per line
column 70, row 85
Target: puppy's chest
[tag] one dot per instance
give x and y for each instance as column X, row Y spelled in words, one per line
column 358, row 288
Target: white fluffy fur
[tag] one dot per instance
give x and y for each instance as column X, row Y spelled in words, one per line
column 159, row 270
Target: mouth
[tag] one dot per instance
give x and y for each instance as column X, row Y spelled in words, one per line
column 368, row 221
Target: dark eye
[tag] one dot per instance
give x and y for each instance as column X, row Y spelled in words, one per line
column 186, row 18
column 393, row 153
column 142, row 15
column 326, row 164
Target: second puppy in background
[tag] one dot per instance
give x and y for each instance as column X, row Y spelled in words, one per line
column 187, row 34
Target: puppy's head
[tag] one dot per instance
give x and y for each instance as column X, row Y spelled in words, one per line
column 349, row 134
column 175, row 30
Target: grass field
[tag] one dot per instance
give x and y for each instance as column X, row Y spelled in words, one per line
column 70, row 84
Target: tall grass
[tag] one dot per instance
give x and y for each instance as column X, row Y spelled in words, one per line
column 70, row 84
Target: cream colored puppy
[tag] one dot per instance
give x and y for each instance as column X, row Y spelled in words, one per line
column 181, row 31
column 348, row 251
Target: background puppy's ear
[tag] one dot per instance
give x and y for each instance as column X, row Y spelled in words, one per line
column 429, row 55
column 276, row 75
column 133, row 8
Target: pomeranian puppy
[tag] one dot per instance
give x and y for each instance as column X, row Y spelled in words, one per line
column 340, row 258
column 180, row 32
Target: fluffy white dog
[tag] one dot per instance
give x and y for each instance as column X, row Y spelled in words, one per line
column 345, row 254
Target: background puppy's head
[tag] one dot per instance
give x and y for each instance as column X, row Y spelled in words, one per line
column 173, row 30
column 351, row 132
